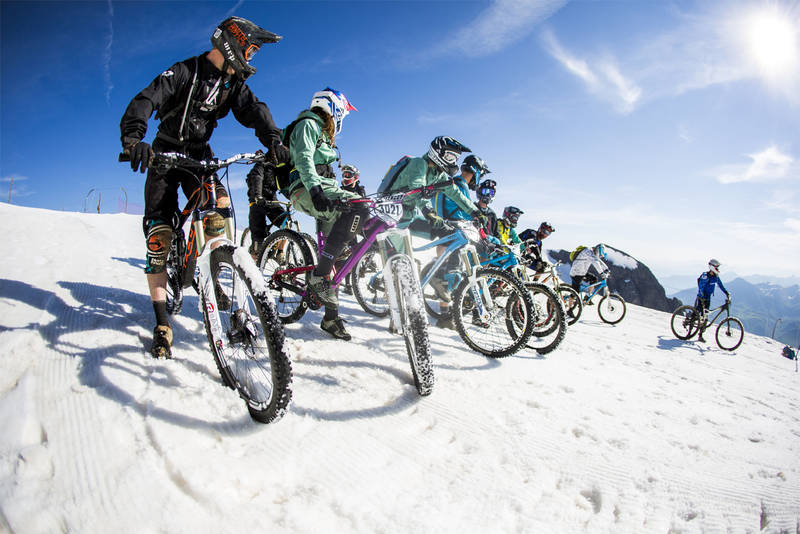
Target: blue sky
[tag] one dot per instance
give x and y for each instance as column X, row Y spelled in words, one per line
column 666, row 129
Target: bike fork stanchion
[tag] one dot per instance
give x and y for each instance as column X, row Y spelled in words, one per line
column 388, row 272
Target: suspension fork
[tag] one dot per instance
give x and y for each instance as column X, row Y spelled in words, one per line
column 388, row 273
column 480, row 290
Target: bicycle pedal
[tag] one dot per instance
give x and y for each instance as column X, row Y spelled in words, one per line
column 313, row 302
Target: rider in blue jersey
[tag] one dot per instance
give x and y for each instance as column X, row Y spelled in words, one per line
column 705, row 288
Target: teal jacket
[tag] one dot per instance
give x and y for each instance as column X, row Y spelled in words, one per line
column 419, row 174
column 310, row 146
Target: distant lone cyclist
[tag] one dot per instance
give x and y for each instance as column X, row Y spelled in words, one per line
column 189, row 98
column 705, row 289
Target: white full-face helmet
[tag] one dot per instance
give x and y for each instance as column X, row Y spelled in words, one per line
column 713, row 266
column 334, row 103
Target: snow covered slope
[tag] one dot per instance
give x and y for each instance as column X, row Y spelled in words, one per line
column 623, row 429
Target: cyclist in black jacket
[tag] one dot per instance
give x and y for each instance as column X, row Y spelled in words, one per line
column 189, row 98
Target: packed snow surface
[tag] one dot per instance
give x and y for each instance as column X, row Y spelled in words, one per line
column 622, row 429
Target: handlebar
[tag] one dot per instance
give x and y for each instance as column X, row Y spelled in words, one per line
column 168, row 160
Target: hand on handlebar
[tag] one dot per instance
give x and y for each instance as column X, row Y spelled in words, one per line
column 141, row 155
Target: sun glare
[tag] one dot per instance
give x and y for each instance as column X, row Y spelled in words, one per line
column 772, row 41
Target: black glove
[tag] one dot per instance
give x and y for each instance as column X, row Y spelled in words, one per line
column 481, row 218
column 279, row 154
column 141, row 156
column 320, row 199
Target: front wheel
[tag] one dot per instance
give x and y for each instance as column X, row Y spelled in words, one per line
column 611, row 308
column 493, row 314
column 246, row 335
column 730, row 333
column 415, row 323
column 685, row 322
column 573, row 305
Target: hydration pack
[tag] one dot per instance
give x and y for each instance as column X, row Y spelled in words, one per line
column 392, row 174
column 574, row 253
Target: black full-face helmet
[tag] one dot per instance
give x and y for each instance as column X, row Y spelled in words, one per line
column 444, row 153
column 476, row 166
column 238, row 40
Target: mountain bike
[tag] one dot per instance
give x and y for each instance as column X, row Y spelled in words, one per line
column 494, row 311
column 611, row 307
column 573, row 305
column 549, row 310
column 245, row 335
column 288, row 221
column 686, row 322
column 286, row 261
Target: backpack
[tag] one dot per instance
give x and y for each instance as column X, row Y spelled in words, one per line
column 284, row 170
column 574, row 253
column 789, row 353
column 392, row 174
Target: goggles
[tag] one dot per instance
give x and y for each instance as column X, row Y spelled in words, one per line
column 250, row 52
column 349, row 177
column 545, row 231
column 486, row 192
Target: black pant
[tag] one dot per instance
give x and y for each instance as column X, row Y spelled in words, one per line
column 258, row 218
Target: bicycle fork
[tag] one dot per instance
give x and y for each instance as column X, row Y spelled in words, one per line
column 388, row 272
column 480, row 290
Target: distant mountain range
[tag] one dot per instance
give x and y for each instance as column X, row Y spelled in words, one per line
column 760, row 306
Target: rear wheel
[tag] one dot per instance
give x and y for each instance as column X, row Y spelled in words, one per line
column 549, row 318
column 505, row 326
column 246, row 335
column 730, row 333
column 685, row 322
column 415, row 323
column 367, row 282
column 283, row 256
column 611, row 308
column 573, row 306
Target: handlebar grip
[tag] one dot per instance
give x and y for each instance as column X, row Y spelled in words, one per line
column 123, row 157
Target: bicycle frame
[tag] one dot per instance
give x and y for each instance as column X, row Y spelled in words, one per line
column 593, row 289
column 724, row 308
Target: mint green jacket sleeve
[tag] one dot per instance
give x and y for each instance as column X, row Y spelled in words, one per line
column 303, row 145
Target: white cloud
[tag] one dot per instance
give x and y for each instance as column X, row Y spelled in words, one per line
column 769, row 164
column 602, row 77
column 792, row 224
column 498, row 26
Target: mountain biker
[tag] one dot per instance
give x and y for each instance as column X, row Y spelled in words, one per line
column 533, row 245
column 485, row 192
column 588, row 266
column 313, row 190
column 262, row 191
column 506, row 226
column 706, row 283
column 350, row 180
column 189, row 98
column 472, row 169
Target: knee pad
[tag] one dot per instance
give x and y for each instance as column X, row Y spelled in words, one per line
column 159, row 239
